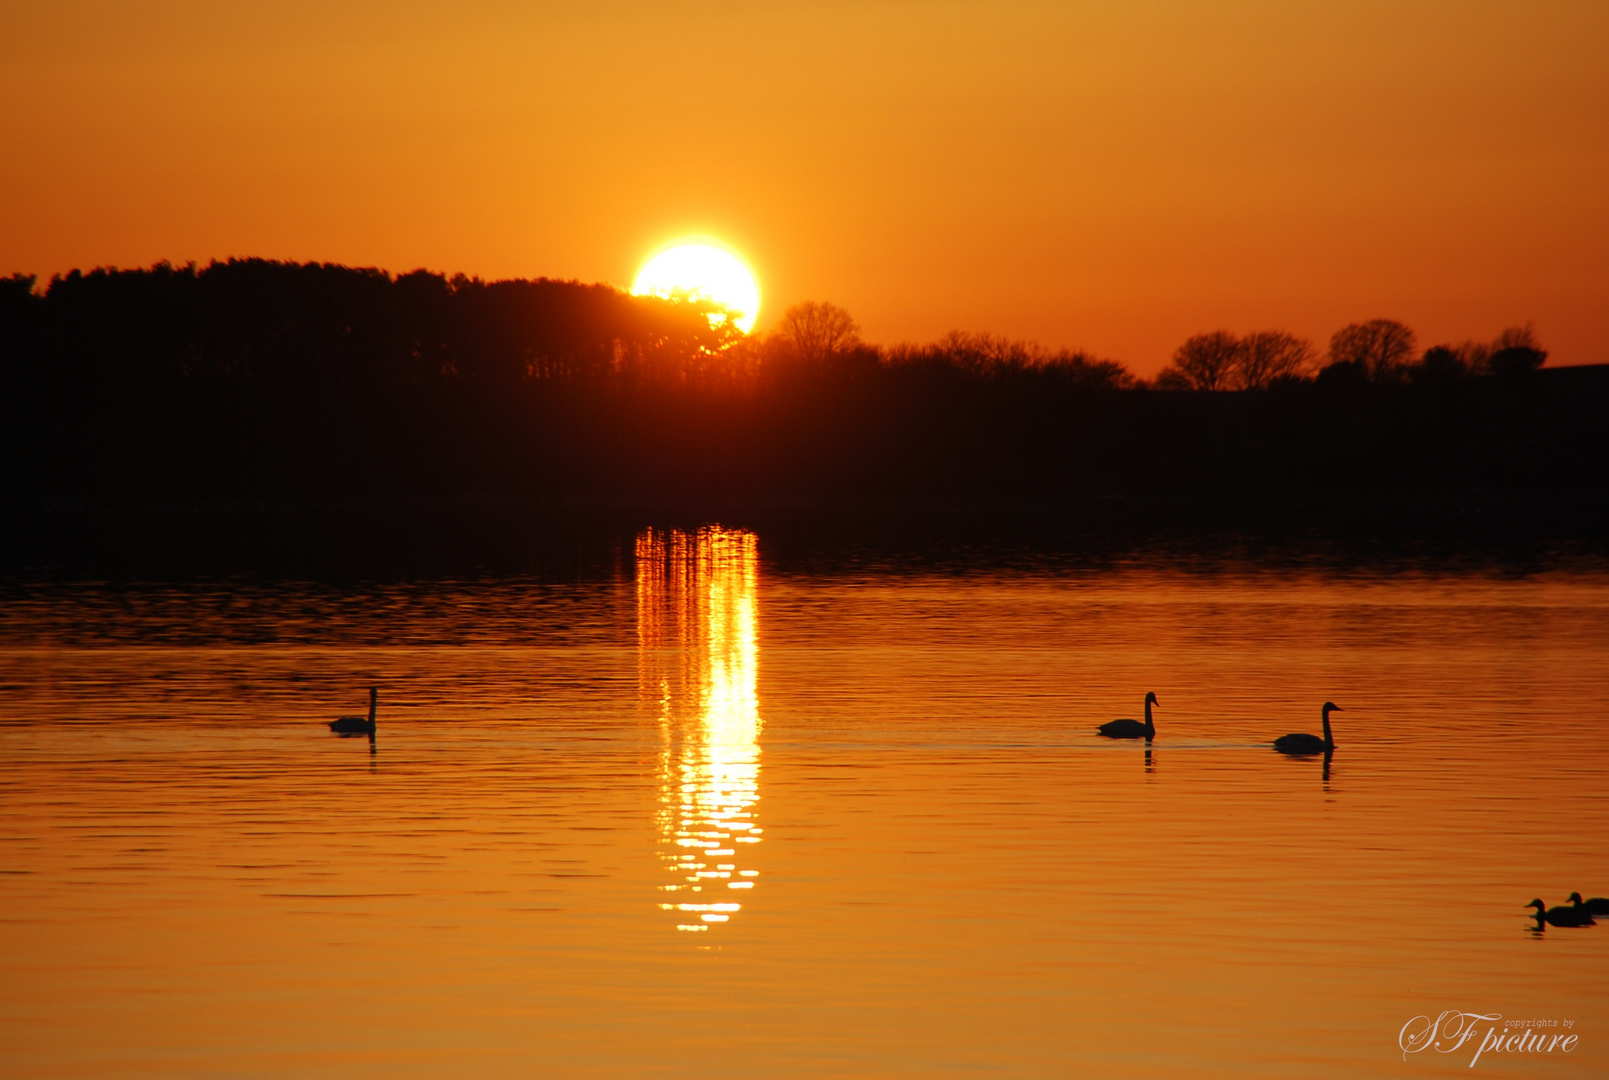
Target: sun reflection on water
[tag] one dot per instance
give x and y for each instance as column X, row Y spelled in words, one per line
column 696, row 636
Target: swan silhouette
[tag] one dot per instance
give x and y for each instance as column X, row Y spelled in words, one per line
column 1132, row 729
column 357, row 725
column 1303, row 743
column 1561, row 916
column 1598, row 905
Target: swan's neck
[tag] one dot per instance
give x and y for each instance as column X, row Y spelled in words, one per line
column 1329, row 740
column 374, row 705
column 1150, row 728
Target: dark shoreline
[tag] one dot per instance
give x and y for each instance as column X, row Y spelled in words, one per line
column 1394, row 531
column 318, row 420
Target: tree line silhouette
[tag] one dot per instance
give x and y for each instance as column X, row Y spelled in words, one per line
column 1381, row 351
column 258, row 380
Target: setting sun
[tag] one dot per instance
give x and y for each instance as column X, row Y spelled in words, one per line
column 702, row 271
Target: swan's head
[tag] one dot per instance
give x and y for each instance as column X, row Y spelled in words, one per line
column 1330, row 706
column 1575, row 898
column 1150, row 698
column 1539, row 905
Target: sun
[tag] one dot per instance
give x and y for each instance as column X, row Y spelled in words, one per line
column 704, row 272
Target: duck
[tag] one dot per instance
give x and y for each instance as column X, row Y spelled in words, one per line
column 1598, row 905
column 1561, row 916
column 357, row 725
column 1132, row 729
column 1303, row 743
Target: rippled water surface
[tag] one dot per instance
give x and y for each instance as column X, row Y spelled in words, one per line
column 703, row 817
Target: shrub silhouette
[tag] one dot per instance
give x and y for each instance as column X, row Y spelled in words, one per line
column 1442, row 365
column 1516, row 352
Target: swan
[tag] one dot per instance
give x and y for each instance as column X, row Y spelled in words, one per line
column 357, row 725
column 1303, row 743
column 1132, row 729
column 1598, row 905
column 1561, row 916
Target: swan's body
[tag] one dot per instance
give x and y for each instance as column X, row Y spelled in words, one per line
column 1561, row 916
column 1598, row 905
column 1132, row 729
column 1303, row 743
column 357, row 725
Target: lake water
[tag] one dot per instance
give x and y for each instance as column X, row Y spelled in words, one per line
column 707, row 816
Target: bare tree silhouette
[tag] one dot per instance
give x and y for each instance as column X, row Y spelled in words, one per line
column 1380, row 349
column 816, row 332
column 1204, row 362
column 1268, row 356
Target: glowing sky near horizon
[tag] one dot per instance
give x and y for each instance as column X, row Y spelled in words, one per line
column 1106, row 175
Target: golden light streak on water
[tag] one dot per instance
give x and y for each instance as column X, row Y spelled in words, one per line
column 697, row 599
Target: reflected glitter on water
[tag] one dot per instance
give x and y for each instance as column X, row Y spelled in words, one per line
column 698, row 655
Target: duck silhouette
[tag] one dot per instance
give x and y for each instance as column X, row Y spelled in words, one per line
column 1132, row 729
column 1303, row 743
column 1598, row 905
column 1561, row 916
column 357, row 725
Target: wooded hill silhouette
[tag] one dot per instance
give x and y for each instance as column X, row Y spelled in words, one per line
column 256, row 380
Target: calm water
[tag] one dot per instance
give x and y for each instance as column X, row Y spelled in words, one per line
column 710, row 818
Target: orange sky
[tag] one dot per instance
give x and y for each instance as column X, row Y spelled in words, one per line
column 1110, row 175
